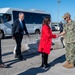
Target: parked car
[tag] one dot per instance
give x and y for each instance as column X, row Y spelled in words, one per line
column 55, row 27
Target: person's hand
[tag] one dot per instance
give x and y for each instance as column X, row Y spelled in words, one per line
column 13, row 38
column 57, row 35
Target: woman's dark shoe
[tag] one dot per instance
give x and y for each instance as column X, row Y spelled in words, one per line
column 42, row 66
column 46, row 66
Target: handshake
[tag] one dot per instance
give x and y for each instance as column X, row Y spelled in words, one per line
column 58, row 35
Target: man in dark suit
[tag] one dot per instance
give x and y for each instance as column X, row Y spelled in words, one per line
column 1, row 62
column 18, row 29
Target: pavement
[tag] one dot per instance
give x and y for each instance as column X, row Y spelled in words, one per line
column 32, row 62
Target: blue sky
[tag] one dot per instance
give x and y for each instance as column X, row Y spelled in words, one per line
column 50, row 6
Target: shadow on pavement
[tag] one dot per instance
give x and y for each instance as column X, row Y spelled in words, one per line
column 8, row 53
column 33, row 49
column 60, row 59
column 25, row 56
column 12, row 62
column 36, row 70
column 17, row 60
column 8, row 37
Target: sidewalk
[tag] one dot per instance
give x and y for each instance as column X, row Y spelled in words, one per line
column 30, row 66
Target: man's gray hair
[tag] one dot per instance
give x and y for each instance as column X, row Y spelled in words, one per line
column 21, row 13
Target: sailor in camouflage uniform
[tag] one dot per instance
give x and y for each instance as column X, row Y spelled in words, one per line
column 69, row 36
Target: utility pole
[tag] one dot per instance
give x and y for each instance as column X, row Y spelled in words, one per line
column 58, row 2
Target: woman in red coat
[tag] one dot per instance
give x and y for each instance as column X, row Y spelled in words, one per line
column 45, row 41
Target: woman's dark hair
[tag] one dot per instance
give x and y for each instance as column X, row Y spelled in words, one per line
column 46, row 20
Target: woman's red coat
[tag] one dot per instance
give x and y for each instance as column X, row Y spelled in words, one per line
column 46, row 39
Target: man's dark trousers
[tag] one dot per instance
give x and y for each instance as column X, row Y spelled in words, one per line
column 18, row 40
column 0, row 53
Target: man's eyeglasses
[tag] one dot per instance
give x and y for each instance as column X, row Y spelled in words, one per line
column 64, row 18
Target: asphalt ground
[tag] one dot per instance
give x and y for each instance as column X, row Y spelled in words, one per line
column 32, row 62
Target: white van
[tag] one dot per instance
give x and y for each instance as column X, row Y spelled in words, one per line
column 33, row 20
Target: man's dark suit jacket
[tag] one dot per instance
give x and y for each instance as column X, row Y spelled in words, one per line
column 16, row 28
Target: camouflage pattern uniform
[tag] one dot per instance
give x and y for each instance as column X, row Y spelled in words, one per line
column 69, row 36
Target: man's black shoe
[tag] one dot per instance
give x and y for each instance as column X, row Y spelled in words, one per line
column 16, row 56
column 20, row 57
column 3, row 66
column 63, row 46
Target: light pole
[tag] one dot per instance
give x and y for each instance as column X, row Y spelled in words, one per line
column 74, row 18
column 58, row 2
